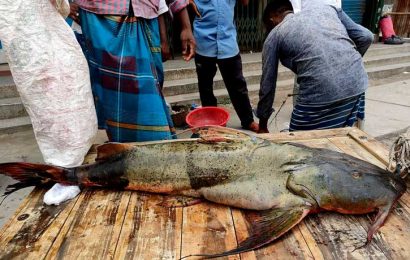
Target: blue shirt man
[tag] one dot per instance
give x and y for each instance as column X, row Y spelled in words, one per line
column 215, row 30
column 215, row 34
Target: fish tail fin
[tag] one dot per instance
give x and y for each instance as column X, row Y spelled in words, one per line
column 265, row 226
column 31, row 174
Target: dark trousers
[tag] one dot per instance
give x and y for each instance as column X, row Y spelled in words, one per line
column 231, row 70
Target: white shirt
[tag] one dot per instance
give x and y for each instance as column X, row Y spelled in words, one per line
column 163, row 8
column 298, row 5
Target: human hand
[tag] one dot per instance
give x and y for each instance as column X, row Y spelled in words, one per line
column 74, row 13
column 194, row 7
column 188, row 44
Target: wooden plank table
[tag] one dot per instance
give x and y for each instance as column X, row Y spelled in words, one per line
column 101, row 224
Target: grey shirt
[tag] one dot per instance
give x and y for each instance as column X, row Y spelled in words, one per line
column 316, row 46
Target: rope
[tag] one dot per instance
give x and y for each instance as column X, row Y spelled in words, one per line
column 280, row 108
column 400, row 154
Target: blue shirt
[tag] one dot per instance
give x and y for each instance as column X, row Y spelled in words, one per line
column 215, row 31
column 324, row 48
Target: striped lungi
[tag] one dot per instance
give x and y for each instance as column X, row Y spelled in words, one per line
column 124, row 57
column 342, row 113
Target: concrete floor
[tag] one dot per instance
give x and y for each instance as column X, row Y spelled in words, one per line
column 387, row 114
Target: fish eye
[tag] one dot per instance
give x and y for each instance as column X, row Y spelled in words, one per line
column 356, row 175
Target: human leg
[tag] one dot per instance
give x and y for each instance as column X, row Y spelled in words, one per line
column 231, row 70
column 206, row 70
column 129, row 101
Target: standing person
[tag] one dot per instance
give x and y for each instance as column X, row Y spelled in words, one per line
column 52, row 78
column 215, row 34
column 123, row 50
column 316, row 46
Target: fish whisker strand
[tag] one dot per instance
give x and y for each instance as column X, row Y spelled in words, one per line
column 4, row 198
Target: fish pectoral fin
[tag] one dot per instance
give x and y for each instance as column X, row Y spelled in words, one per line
column 108, row 150
column 179, row 201
column 264, row 227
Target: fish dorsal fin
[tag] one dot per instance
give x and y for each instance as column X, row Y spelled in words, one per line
column 265, row 226
column 108, row 150
column 214, row 134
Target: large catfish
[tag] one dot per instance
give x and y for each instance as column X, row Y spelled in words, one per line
column 277, row 184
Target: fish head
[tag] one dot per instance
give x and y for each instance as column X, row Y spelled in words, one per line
column 343, row 183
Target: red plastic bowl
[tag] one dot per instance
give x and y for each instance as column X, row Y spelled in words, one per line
column 205, row 116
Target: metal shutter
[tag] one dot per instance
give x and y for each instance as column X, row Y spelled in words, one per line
column 355, row 9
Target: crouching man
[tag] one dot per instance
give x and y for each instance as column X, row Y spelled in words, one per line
column 319, row 48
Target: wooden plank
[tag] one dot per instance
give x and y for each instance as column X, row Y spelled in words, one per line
column 31, row 233
column 377, row 149
column 95, row 228
column 394, row 236
column 207, row 229
column 310, row 241
column 60, row 235
column 150, row 231
column 349, row 146
column 17, row 213
column 306, row 135
column 405, row 199
column 242, row 232
column 339, row 235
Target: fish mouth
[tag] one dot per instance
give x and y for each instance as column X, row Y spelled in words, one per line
column 304, row 192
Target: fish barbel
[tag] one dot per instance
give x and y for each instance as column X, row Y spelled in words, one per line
column 277, row 184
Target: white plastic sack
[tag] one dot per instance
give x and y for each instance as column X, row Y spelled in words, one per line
column 52, row 77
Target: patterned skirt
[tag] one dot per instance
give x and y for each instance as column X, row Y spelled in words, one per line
column 342, row 113
column 124, row 57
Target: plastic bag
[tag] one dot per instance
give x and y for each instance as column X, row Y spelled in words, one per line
column 60, row 193
column 52, row 77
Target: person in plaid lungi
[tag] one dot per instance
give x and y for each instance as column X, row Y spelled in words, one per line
column 122, row 45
